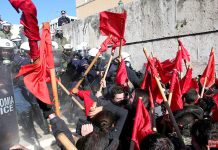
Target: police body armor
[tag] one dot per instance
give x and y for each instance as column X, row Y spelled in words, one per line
column 8, row 122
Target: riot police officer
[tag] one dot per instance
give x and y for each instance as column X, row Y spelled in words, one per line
column 9, row 128
column 59, row 38
column 5, row 32
column 17, row 40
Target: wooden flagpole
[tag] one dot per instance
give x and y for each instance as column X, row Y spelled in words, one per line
column 61, row 136
column 55, row 92
column 68, row 93
column 75, row 89
column 167, row 105
column 202, row 91
column 66, row 142
column 107, row 69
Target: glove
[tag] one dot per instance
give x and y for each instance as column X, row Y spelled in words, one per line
column 59, row 126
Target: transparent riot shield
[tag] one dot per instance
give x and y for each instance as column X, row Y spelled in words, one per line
column 9, row 134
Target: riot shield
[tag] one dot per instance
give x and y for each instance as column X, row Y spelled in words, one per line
column 9, row 134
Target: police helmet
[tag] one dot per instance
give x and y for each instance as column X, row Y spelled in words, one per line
column 54, row 45
column 25, row 46
column 125, row 56
column 6, row 24
column 6, row 50
column 16, row 39
column 92, row 52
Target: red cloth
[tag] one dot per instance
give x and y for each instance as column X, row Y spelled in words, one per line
column 151, row 100
column 121, row 76
column 188, row 82
column 114, row 41
column 173, row 81
column 176, row 103
column 113, row 24
column 209, row 72
column 145, row 81
column 30, row 23
column 168, row 65
column 215, row 97
column 215, row 115
column 178, row 61
column 151, row 63
column 88, row 102
column 185, row 54
column 36, row 75
column 150, row 82
column 164, row 74
column 142, row 124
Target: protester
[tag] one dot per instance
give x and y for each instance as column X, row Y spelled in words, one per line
column 156, row 142
column 99, row 138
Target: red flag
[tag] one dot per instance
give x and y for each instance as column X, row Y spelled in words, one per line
column 164, row 74
column 113, row 24
column 111, row 40
column 151, row 100
column 215, row 97
column 176, row 103
column 178, row 61
column 173, row 81
column 30, row 23
column 149, row 81
column 146, row 78
column 36, row 75
column 122, row 77
column 186, row 82
column 185, row 54
column 168, row 65
column 142, row 124
column 88, row 102
column 209, row 71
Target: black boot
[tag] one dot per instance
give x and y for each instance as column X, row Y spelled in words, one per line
column 30, row 134
column 39, row 118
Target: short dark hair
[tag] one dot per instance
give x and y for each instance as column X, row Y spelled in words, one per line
column 201, row 132
column 104, row 120
column 95, row 140
column 206, row 103
column 156, row 141
column 117, row 90
column 143, row 94
column 190, row 96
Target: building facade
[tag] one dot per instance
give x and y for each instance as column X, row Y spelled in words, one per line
column 85, row 8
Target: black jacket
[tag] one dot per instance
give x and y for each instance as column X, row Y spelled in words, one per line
column 64, row 20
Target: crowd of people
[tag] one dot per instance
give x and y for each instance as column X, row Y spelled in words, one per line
column 109, row 122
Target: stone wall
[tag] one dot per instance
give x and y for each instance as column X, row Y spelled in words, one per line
column 155, row 19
